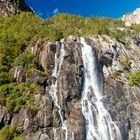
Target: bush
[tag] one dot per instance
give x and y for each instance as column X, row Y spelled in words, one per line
column 23, row 30
column 6, row 77
column 134, row 78
column 15, row 96
column 18, row 138
column 136, row 28
column 117, row 74
column 9, row 133
column 76, row 25
column 124, row 61
column 11, row 97
column 27, row 60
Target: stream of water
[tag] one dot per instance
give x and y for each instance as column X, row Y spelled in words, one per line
column 99, row 124
column 53, row 89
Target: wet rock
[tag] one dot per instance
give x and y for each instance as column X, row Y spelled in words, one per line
column 70, row 80
column 120, row 104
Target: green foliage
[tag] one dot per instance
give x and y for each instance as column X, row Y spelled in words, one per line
column 12, row 98
column 22, row 31
column 77, row 25
column 136, row 28
column 50, row 33
column 7, row 133
column 27, row 60
column 117, row 74
column 10, row 133
column 16, row 33
column 119, row 35
column 124, row 61
column 18, row 138
column 134, row 78
column 5, row 78
column 15, row 96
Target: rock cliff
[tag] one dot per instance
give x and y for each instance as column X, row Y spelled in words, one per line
column 35, row 111
column 120, row 99
column 12, row 7
column 132, row 18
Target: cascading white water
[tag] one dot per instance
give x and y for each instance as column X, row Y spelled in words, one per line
column 53, row 89
column 99, row 124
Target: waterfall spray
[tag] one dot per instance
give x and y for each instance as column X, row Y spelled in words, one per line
column 99, row 124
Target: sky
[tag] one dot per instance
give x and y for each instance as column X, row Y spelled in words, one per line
column 86, row 8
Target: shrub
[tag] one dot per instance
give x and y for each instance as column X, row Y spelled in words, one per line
column 136, row 28
column 117, row 74
column 124, row 61
column 6, row 77
column 134, row 78
column 27, row 60
column 7, row 133
column 10, row 133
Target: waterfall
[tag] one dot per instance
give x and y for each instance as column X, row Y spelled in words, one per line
column 99, row 124
column 53, row 89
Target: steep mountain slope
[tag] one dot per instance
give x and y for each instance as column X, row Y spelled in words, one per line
column 40, row 118
column 91, row 66
column 12, row 7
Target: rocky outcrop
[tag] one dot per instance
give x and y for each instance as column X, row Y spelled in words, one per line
column 45, row 53
column 113, row 56
column 29, row 120
column 21, row 74
column 121, row 100
column 132, row 18
column 12, row 7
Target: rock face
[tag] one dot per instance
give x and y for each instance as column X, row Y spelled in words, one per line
column 132, row 18
column 12, row 7
column 121, row 100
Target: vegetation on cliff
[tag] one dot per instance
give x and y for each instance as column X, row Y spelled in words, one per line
column 134, row 78
column 23, row 30
column 10, row 133
column 20, row 32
